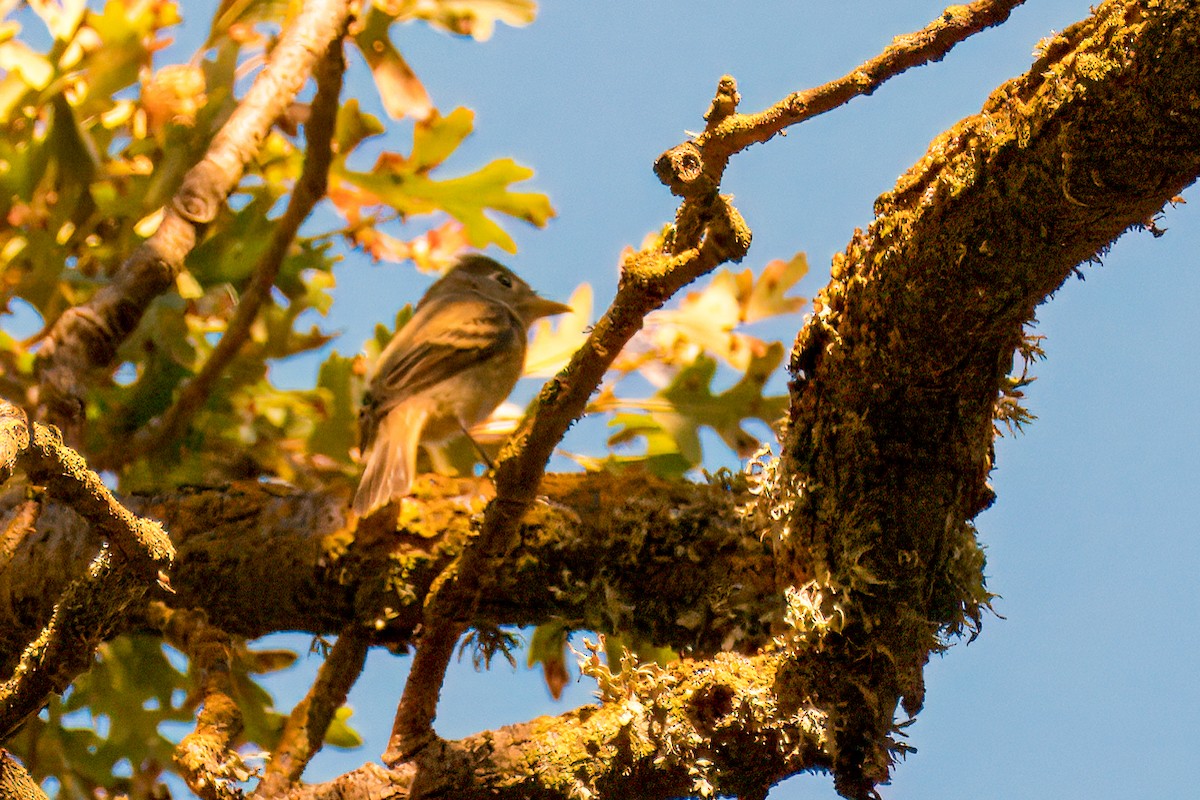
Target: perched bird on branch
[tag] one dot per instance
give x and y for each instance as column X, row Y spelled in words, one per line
column 445, row 371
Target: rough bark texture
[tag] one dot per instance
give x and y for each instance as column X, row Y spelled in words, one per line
column 15, row 783
column 896, row 378
column 676, row 734
column 671, row 561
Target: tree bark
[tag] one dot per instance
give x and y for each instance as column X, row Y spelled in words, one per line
column 897, row 377
column 672, row 562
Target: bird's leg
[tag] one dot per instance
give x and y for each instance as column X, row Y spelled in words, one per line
column 478, row 449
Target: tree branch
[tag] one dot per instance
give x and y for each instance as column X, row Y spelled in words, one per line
column 697, row 727
column 92, row 606
column 207, row 757
column 897, row 375
column 87, row 336
column 309, row 190
column 708, row 231
column 258, row 559
column 728, row 132
column 15, row 782
column 305, row 729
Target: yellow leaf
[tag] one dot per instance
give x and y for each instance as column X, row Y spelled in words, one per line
column 552, row 346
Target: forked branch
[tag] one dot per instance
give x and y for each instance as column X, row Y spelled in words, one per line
column 86, row 337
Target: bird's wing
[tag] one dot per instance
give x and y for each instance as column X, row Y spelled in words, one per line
column 441, row 340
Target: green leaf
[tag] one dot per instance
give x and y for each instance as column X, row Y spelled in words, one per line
column 437, row 137
column 246, row 13
column 693, row 403
column 336, row 430
column 669, row 422
column 405, row 183
column 354, row 126
column 339, row 733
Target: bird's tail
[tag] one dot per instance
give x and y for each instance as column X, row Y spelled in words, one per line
column 392, row 458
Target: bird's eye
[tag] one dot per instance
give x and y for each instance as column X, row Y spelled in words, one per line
column 503, row 279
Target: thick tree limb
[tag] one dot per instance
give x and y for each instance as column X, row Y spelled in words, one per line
column 715, row 725
column 673, row 562
column 86, row 337
column 897, row 376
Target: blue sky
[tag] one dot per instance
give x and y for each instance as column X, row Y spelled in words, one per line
column 1087, row 686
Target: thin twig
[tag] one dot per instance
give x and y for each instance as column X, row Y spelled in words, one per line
column 304, row 732
column 310, row 189
column 207, row 757
column 86, row 337
column 728, row 133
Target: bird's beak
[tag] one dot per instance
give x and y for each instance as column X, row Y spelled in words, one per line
column 538, row 307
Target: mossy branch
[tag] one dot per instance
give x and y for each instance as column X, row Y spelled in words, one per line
column 897, row 376
column 260, row 559
column 136, row 556
column 207, row 757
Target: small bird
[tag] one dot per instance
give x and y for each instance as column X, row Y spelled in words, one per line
column 446, row 370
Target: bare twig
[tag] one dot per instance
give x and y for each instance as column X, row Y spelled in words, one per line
column 207, row 757
column 698, row 164
column 86, row 337
column 310, row 189
column 304, row 732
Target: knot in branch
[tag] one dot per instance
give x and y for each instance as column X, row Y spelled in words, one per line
column 727, row 230
column 682, row 170
column 199, row 198
column 724, row 103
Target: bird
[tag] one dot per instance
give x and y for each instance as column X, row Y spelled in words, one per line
column 444, row 371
